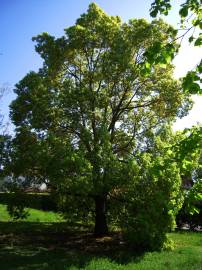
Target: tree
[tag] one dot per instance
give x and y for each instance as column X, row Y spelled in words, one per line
column 3, row 91
column 4, row 137
column 4, row 154
column 93, row 106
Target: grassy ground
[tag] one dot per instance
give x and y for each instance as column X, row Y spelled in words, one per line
column 50, row 245
column 34, row 215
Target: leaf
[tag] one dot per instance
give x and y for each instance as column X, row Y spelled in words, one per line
column 191, row 39
column 195, row 88
column 199, row 196
column 194, row 210
column 154, row 13
column 198, row 41
column 169, row 152
column 183, row 11
column 190, row 83
column 199, row 67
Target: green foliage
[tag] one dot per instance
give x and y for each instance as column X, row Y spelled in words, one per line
column 194, row 198
column 190, row 146
column 188, row 149
column 16, row 206
column 190, row 10
column 192, row 81
column 163, row 7
column 191, row 212
column 18, row 211
column 18, row 201
column 160, row 54
column 34, row 216
column 91, row 112
column 76, row 208
column 154, row 200
column 160, row 6
column 188, row 155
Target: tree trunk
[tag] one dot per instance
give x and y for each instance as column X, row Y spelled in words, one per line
column 101, row 228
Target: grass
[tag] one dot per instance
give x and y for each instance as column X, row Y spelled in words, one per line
column 53, row 245
column 34, row 215
column 53, row 255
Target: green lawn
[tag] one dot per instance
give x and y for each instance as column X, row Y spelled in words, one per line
column 34, row 215
column 52, row 245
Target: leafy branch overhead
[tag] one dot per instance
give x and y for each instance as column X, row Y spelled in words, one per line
column 190, row 14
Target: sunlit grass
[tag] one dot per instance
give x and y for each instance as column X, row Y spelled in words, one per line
column 34, row 216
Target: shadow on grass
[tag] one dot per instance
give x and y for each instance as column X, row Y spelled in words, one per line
column 26, row 245
column 40, row 258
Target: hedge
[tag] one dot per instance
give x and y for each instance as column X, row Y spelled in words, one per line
column 41, row 201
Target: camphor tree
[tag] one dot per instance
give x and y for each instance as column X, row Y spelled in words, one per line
column 91, row 110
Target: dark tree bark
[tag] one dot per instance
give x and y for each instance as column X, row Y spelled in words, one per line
column 101, row 228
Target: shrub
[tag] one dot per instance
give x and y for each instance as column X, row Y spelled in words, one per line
column 150, row 203
column 191, row 211
column 18, row 200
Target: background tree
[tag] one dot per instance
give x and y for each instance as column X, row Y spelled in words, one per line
column 3, row 91
column 4, row 138
column 93, row 107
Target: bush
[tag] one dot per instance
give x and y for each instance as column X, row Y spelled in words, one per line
column 193, row 220
column 19, row 200
column 150, row 203
column 191, row 212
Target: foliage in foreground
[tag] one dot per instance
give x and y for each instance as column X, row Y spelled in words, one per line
column 190, row 16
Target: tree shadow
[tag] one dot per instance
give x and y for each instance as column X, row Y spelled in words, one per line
column 39, row 258
column 51, row 246
column 60, row 258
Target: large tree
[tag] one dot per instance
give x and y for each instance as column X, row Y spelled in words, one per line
column 93, row 106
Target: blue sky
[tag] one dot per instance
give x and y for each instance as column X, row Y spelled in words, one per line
column 20, row 20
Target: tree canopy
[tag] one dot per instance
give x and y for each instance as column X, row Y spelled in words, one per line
column 88, row 122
